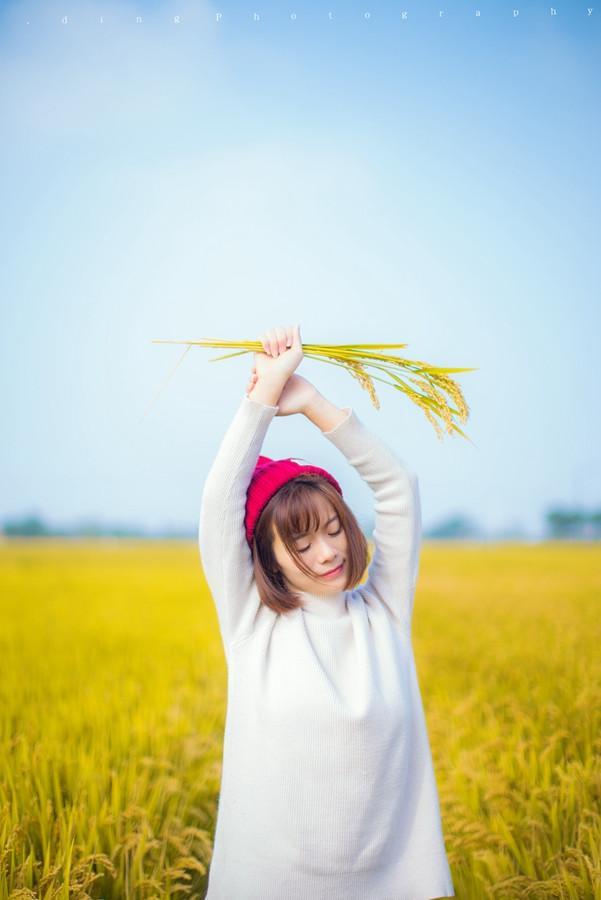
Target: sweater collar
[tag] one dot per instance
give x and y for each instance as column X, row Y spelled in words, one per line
column 332, row 606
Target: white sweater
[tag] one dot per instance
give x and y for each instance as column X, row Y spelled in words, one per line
column 327, row 785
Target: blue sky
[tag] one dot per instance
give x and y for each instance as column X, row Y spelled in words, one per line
column 431, row 181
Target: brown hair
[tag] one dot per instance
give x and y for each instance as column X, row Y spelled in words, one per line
column 290, row 511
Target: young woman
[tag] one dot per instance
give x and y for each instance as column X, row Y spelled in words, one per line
column 327, row 786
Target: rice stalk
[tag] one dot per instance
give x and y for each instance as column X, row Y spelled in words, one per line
column 435, row 385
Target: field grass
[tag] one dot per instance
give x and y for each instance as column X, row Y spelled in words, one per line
column 112, row 705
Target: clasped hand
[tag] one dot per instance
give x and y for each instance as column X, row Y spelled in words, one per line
column 283, row 353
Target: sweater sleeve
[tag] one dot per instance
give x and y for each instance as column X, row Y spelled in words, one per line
column 392, row 573
column 226, row 556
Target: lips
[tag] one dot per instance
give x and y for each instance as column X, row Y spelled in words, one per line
column 333, row 572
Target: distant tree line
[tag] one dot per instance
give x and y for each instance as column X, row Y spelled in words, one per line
column 35, row 526
column 574, row 524
column 559, row 524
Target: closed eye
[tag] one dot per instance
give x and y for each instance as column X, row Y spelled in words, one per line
column 332, row 534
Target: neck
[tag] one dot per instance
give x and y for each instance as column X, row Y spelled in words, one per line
column 331, row 606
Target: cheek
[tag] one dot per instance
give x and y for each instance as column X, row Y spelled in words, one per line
column 293, row 566
column 305, row 560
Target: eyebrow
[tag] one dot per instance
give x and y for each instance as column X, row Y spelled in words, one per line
column 300, row 534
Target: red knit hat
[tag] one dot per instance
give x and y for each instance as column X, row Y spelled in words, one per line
column 268, row 477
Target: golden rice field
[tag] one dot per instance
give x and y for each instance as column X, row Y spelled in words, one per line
column 112, row 704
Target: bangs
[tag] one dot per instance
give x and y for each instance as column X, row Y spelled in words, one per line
column 297, row 514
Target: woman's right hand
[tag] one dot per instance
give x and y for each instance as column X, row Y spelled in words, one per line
column 283, row 354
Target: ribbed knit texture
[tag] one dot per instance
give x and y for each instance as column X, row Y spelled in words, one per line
column 327, row 788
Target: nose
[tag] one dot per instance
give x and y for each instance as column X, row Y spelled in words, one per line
column 327, row 552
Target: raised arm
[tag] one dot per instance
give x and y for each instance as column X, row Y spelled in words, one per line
column 225, row 552
column 392, row 573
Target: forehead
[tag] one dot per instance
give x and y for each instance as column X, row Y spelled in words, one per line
column 324, row 507
column 326, row 512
